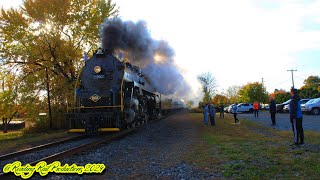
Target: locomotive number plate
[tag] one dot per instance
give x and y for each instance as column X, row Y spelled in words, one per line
column 95, row 98
column 99, row 76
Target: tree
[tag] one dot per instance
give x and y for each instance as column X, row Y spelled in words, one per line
column 14, row 99
column 52, row 35
column 208, row 86
column 8, row 95
column 280, row 96
column 253, row 92
column 311, row 88
column 189, row 104
column 312, row 82
column 219, row 99
column 232, row 93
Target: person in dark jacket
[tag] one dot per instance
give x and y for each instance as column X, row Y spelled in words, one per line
column 296, row 117
column 222, row 111
column 212, row 113
column 273, row 110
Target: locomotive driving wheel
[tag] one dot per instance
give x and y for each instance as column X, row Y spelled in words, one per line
column 131, row 125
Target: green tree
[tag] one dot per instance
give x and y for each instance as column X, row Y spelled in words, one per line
column 253, row 92
column 189, row 104
column 312, row 82
column 52, row 35
column 208, row 86
column 311, row 88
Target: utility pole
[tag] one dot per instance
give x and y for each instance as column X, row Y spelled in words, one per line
column 292, row 76
column 262, row 81
column 48, row 95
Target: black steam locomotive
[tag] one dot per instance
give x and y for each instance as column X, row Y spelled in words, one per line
column 112, row 94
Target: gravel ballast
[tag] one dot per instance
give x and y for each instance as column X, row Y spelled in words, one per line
column 154, row 151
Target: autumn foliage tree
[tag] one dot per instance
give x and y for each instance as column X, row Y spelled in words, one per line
column 14, row 99
column 8, row 96
column 220, row 99
column 51, row 35
column 253, row 92
column 280, row 95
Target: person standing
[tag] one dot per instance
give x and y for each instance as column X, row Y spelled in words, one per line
column 212, row 113
column 272, row 110
column 222, row 111
column 296, row 117
column 235, row 112
column 256, row 109
column 205, row 114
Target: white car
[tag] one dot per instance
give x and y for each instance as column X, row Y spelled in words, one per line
column 312, row 106
column 245, row 107
column 228, row 109
column 303, row 101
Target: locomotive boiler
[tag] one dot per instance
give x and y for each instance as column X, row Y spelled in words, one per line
column 112, row 94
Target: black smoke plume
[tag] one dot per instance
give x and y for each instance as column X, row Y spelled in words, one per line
column 155, row 57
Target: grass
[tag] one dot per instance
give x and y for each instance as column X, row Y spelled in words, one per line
column 17, row 140
column 251, row 151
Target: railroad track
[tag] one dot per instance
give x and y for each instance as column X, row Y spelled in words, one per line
column 70, row 151
column 83, row 147
column 43, row 146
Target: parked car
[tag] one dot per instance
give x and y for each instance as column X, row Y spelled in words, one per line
column 265, row 106
column 228, row 109
column 286, row 107
column 245, row 107
column 279, row 107
column 312, row 106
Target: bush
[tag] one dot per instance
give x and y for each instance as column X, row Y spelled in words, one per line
column 39, row 125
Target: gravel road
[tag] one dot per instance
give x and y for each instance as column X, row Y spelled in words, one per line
column 155, row 151
column 310, row 122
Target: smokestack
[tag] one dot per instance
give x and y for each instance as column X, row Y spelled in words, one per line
column 155, row 57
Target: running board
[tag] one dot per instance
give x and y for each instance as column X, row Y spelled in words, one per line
column 100, row 130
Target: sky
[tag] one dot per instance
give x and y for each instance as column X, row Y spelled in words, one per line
column 237, row 41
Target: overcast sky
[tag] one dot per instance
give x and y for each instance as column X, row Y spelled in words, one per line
column 239, row 41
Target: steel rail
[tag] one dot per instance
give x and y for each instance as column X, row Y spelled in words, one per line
column 42, row 146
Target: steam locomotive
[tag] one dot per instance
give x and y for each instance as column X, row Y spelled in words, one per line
column 112, row 94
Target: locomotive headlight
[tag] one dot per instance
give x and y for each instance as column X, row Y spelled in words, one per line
column 97, row 69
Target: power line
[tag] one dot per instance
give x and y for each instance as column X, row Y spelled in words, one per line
column 292, row 76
